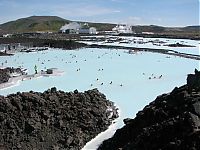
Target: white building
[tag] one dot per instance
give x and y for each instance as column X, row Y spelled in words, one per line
column 75, row 28
column 122, row 29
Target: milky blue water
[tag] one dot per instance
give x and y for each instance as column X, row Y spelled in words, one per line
column 132, row 71
column 115, row 65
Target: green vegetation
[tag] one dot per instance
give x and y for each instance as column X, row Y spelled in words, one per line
column 43, row 23
column 34, row 23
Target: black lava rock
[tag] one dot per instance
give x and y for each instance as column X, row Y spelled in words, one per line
column 52, row 119
column 5, row 73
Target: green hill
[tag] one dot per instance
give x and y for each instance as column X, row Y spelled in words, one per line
column 34, row 23
column 43, row 23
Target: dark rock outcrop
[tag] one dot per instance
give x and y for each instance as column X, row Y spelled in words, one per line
column 179, row 45
column 171, row 121
column 52, row 119
column 5, row 73
column 193, row 81
column 4, row 76
column 5, row 54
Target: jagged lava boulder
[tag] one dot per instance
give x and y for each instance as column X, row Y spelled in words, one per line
column 52, row 119
column 170, row 122
column 193, row 81
column 5, row 73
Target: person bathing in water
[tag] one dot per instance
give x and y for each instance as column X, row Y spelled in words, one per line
column 35, row 67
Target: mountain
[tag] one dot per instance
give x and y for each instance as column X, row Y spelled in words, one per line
column 43, row 23
column 34, row 23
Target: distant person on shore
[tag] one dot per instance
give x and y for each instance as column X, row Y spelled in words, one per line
column 35, row 67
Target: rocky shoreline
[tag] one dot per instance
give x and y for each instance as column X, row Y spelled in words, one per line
column 53, row 119
column 179, row 45
column 171, row 121
column 8, row 80
column 5, row 74
column 5, row 54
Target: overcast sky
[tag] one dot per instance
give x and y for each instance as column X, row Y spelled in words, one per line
column 136, row 12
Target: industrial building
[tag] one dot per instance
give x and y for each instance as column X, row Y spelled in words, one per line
column 76, row 28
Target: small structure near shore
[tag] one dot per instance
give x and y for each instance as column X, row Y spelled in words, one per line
column 51, row 70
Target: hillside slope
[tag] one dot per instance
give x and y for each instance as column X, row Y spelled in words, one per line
column 54, row 23
column 34, row 23
column 43, row 23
